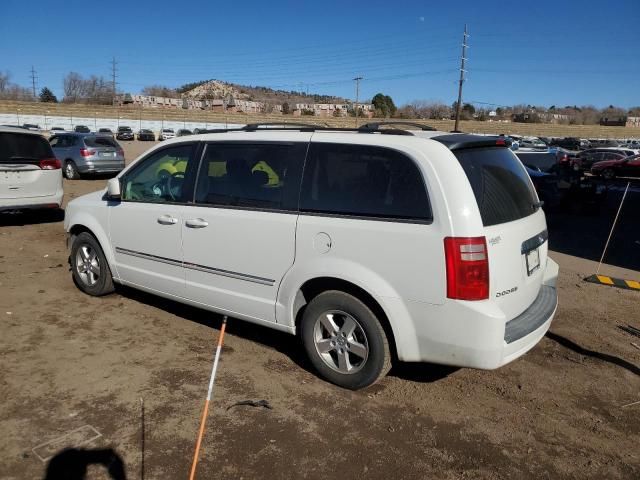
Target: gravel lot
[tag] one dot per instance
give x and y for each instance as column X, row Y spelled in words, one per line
column 69, row 360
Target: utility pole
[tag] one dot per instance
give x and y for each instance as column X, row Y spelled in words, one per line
column 357, row 80
column 113, row 80
column 462, row 72
column 33, row 80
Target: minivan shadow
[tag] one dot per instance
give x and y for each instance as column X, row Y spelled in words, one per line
column 279, row 341
column 31, row 217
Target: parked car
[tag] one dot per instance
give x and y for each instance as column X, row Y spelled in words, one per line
column 166, row 134
column 587, row 158
column 31, row 126
column 124, row 133
column 568, row 143
column 55, row 130
column 429, row 245
column 30, row 174
column 617, row 165
column 82, row 154
column 146, row 135
column 81, row 129
column 532, row 143
column 183, row 132
column 105, row 131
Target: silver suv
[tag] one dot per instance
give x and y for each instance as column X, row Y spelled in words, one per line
column 82, row 153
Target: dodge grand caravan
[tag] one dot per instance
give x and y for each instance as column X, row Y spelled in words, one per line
column 372, row 245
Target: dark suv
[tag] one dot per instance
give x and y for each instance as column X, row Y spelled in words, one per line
column 124, row 133
column 569, row 143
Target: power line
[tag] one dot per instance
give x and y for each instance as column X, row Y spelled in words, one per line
column 462, row 71
column 33, row 80
column 357, row 80
column 113, row 81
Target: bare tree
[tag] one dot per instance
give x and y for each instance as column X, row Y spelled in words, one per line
column 74, row 87
column 160, row 91
column 4, row 81
column 93, row 90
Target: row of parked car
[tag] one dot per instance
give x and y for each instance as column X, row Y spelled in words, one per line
column 126, row 133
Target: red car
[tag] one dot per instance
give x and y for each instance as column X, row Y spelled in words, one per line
column 617, row 165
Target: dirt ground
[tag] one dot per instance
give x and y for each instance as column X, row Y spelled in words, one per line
column 135, row 368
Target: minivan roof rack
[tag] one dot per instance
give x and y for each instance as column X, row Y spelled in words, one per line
column 377, row 125
column 283, row 126
column 310, row 127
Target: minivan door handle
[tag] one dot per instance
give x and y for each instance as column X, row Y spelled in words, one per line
column 167, row 220
column 196, row 223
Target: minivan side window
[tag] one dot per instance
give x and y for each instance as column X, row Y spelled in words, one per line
column 251, row 175
column 158, row 178
column 363, row 181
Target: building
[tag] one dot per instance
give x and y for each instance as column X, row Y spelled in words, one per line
column 231, row 104
column 633, row 122
column 613, row 121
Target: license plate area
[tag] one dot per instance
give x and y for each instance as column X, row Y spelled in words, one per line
column 532, row 258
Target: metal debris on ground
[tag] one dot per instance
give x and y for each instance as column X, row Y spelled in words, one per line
column 630, row 330
column 252, row 403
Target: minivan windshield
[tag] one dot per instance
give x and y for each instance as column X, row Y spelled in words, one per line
column 500, row 183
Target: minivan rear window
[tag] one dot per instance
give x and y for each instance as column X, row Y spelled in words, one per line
column 100, row 142
column 23, row 148
column 500, row 183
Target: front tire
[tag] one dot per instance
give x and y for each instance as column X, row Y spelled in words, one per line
column 89, row 266
column 344, row 340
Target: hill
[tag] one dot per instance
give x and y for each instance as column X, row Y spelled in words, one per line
column 209, row 89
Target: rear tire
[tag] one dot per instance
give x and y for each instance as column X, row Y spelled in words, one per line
column 70, row 170
column 89, row 266
column 344, row 340
column 608, row 174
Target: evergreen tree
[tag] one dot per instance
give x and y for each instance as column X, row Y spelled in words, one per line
column 47, row 96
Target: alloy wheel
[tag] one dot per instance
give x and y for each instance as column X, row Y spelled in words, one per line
column 340, row 341
column 87, row 265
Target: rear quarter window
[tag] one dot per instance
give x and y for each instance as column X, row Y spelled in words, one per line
column 363, row 181
column 500, row 183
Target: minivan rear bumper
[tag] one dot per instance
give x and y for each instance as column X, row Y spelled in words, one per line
column 477, row 334
column 32, row 203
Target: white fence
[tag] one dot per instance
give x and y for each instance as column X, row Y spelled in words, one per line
column 46, row 122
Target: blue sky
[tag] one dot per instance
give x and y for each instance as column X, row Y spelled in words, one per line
column 542, row 53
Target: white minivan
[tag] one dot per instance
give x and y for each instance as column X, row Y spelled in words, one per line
column 30, row 174
column 372, row 244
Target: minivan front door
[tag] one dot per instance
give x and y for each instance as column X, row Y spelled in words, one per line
column 146, row 225
column 239, row 237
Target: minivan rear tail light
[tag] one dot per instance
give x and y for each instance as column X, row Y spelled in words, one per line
column 121, row 152
column 85, row 152
column 467, row 268
column 50, row 164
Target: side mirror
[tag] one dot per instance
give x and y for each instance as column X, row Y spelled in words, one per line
column 113, row 189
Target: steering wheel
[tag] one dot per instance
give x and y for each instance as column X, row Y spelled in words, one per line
column 174, row 184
